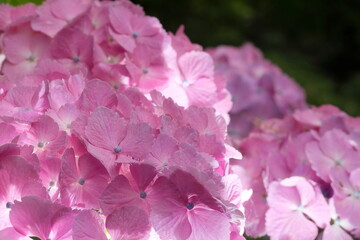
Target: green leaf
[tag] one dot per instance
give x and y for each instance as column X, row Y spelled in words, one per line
column 35, row 238
column 20, row 2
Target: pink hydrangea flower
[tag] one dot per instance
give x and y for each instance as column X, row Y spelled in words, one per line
column 183, row 209
column 296, row 209
column 38, row 217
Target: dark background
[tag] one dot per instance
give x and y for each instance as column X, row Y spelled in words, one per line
column 315, row 42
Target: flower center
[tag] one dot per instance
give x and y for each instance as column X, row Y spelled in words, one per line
column 135, row 35
column 76, row 59
column 81, row 181
column 185, row 83
column 356, row 194
column 9, row 204
column 189, row 205
column 143, row 195
column 117, row 149
column 51, row 183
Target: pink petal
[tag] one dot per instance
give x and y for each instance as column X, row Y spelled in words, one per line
column 320, row 163
column 203, row 219
column 7, row 134
column 33, row 216
column 335, row 232
column 293, row 225
column 82, row 181
column 88, row 225
column 46, row 129
column 67, row 9
column 130, row 223
column 161, row 151
column 11, row 233
column 118, row 193
column 143, row 174
column 138, row 139
column 97, row 93
column 105, row 129
column 196, row 65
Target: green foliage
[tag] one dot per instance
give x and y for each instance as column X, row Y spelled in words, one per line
column 35, row 238
column 20, row 2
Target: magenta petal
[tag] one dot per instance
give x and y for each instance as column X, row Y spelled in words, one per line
column 88, row 225
column 118, row 194
column 130, row 223
column 143, row 174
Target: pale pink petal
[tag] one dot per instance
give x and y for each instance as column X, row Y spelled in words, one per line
column 335, row 232
column 11, row 233
column 290, row 226
column 203, row 219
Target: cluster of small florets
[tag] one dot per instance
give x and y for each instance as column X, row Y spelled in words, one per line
column 88, row 148
column 304, row 173
column 259, row 89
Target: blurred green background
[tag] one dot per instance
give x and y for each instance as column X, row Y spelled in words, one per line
column 315, row 42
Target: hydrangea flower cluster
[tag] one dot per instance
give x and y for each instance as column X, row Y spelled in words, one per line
column 113, row 41
column 88, row 148
column 259, row 89
column 304, row 172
